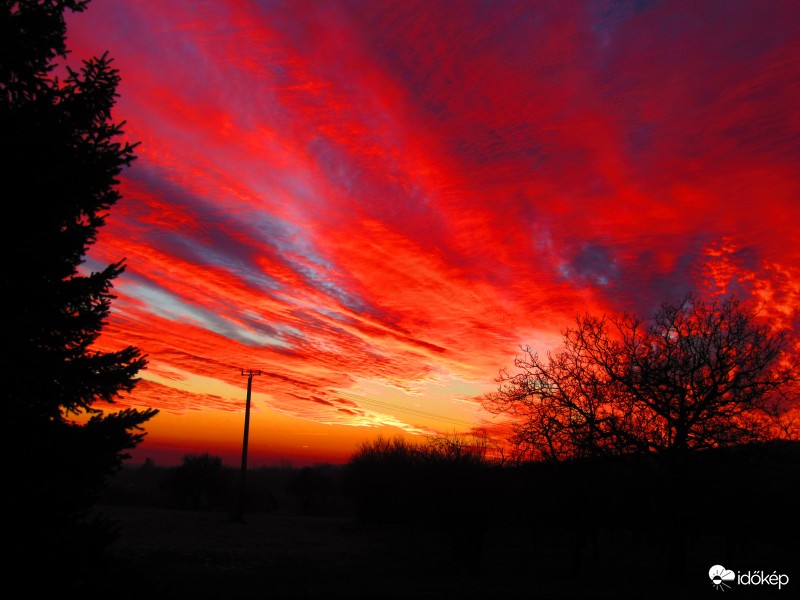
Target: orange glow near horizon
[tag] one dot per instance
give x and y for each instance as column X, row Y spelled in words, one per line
column 377, row 203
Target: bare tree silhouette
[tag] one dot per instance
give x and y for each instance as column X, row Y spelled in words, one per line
column 698, row 375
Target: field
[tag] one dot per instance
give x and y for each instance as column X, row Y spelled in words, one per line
column 186, row 554
column 590, row 530
column 164, row 553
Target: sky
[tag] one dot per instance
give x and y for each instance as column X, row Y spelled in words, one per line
column 376, row 203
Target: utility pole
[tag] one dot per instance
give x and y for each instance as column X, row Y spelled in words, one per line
column 239, row 516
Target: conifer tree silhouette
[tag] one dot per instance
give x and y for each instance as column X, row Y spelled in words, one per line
column 62, row 155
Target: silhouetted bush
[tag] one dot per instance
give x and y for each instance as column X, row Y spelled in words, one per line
column 201, row 482
column 381, row 480
column 311, row 487
column 445, row 484
column 462, row 489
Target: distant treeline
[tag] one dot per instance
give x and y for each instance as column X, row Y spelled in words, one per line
column 733, row 504
column 203, row 482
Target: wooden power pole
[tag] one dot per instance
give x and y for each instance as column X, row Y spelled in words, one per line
column 239, row 516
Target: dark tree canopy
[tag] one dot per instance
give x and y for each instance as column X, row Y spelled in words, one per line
column 62, row 156
column 700, row 374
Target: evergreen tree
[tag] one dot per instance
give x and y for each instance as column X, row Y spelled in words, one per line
column 62, row 155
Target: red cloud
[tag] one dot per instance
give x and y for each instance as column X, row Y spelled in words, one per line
column 406, row 192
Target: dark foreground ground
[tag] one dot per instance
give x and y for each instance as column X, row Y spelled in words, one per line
column 164, row 553
column 589, row 529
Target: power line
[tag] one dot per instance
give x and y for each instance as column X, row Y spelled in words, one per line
column 500, row 427
column 414, row 411
column 409, row 410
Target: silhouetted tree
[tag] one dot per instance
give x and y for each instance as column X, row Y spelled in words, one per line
column 462, row 488
column 446, row 483
column 379, row 479
column 200, row 482
column 310, row 486
column 698, row 375
column 61, row 156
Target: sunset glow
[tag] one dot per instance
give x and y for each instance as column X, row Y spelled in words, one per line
column 377, row 203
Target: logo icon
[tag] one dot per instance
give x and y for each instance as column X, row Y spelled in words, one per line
column 719, row 575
